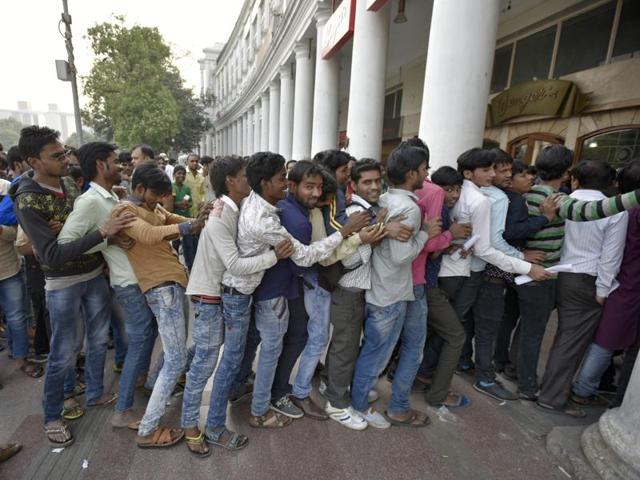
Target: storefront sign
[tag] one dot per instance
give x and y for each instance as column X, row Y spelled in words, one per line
column 556, row 98
column 339, row 28
column 375, row 5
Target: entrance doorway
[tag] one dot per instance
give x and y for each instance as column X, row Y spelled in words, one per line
column 527, row 147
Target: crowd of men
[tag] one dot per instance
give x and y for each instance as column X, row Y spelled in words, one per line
column 418, row 276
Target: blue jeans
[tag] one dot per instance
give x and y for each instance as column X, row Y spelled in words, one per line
column 141, row 328
column 166, row 303
column 208, row 335
column 272, row 319
column 317, row 302
column 382, row 329
column 594, row 364
column 12, row 299
column 118, row 332
column 189, row 248
column 93, row 299
column 236, row 314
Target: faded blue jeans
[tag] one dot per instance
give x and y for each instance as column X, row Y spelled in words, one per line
column 166, row 303
column 317, row 302
column 90, row 300
column 236, row 314
column 141, row 328
column 272, row 319
column 208, row 335
column 594, row 364
column 12, row 299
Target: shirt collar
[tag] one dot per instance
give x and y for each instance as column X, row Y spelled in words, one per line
column 470, row 184
column 261, row 202
column 360, row 201
column 400, row 191
column 230, row 202
column 102, row 191
column 134, row 200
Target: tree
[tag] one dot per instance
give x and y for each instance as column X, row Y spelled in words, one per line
column 87, row 137
column 10, row 132
column 135, row 92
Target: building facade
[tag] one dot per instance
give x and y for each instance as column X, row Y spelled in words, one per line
column 64, row 122
column 301, row 76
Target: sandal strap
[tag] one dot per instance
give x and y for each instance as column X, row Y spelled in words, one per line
column 194, row 440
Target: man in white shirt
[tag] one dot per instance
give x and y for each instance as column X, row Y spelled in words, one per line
column 594, row 249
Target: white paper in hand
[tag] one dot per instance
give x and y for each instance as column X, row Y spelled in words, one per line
column 522, row 279
column 467, row 245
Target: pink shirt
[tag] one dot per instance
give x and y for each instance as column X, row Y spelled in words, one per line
column 431, row 199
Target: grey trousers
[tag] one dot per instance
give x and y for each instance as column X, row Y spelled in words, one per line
column 347, row 317
column 578, row 318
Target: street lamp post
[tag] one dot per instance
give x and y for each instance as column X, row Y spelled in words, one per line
column 66, row 19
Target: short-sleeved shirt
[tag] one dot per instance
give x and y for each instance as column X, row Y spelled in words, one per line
column 179, row 192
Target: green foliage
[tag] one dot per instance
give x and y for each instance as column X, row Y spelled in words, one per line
column 10, row 132
column 87, row 137
column 136, row 94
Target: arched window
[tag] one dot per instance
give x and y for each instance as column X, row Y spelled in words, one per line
column 527, row 147
column 615, row 145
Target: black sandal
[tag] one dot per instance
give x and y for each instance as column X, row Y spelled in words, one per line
column 235, row 441
column 201, row 449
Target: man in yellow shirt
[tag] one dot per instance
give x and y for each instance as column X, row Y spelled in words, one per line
column 195, row 181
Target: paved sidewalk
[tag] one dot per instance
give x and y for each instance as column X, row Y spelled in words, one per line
column 486, row 441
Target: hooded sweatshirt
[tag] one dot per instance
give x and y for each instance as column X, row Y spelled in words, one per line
column 36, row 206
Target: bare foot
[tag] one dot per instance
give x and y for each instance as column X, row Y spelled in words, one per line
column 124, row 419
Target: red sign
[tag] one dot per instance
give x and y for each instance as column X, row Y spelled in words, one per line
column 339, row 28
column 375, row 5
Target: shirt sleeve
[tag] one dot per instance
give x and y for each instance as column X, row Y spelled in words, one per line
column 147, row 234
column 520, row 225
column 498, row 218
column 584, row 211
column 346, row 248
column 402, row 253
column 8, row 233
column 611, row 258
column 81, row 221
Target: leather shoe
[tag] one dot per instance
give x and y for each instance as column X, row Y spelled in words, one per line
column 310, row 408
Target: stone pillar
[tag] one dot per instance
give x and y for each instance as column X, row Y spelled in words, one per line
column 303, row 103
column 612, row 445
column 326, row 95
column 274, row 116
column 256, row 127
column 285, row 141
column 250, row 132
column 368, row 78
column 234, row 138
column 458, row 77
column 264, row 122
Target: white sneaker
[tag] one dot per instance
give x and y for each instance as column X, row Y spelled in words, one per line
column 375, row 419
column 373, row 396
column 346, row 417
column 322, row 388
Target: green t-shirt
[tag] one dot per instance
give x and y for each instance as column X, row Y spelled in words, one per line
column 179, row 192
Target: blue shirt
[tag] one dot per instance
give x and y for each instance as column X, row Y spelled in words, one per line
column 285, row 277
column 7, row 215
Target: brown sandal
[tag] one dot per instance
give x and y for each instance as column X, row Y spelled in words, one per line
column 270, row 419
column 197, row 445
column 31, row 369
column 415, row 420
column 160, row 438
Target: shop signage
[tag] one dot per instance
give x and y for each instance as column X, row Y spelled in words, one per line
column 555, row 98
column 339, row 28
column 375, row 5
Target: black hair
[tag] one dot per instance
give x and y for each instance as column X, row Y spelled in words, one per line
column 225, row 167
column 519, row 167
column 289, row 162
column 304, row 169
column 500, row 157
column 192, row 154
column 447, row 177
column 125, row 157
column 364, row 165
column 329, row 185
column 152, row 178
column 179, row 168
column 146, row 149
column 34, row 138
column 553, row 162
column 263, row 166
column 473, row 159
column 75, row 172
column 592, row 175
column 90, row 153
column 418, row 142
column 332, row 159
column 629, row 176
column 402, row 160
column 71, row 150
column 205, row 159
column 13, row 157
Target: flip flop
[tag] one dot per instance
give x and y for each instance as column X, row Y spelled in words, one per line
column 198, row 441
column 161, row 438
column 461, row 402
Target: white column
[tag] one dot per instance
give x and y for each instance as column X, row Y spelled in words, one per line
column 225, row 141
column 368, row 75
column 232, row 139
column 250, row 132
column 274, row 116
column 256, row 129
column 303, row 102
column 264, row 122
column 612, row 445
column 285, row 141
column 326, row 95
column 458, row 77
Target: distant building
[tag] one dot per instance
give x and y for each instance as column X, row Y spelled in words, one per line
column 64, row 122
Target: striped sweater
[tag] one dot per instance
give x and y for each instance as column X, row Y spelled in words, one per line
column 550, row 238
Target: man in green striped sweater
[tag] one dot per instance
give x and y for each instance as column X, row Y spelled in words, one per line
column 537, row 299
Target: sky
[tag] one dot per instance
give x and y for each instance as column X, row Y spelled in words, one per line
column 31, row 43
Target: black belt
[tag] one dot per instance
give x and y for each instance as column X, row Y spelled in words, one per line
column 231, row 290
